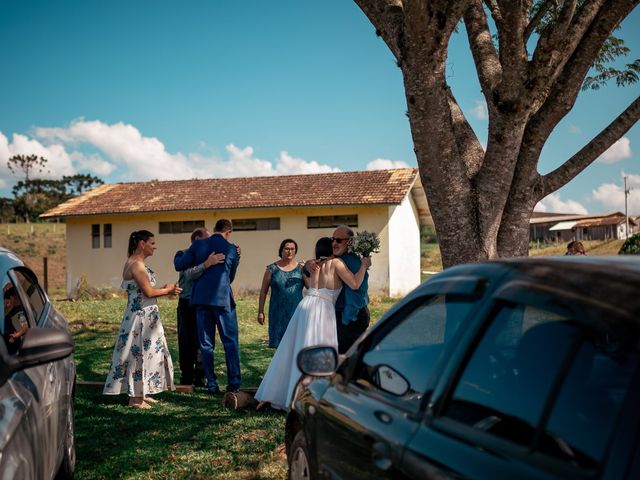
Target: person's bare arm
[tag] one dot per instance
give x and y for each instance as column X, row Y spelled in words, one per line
column 139, row 273
column 351, row 280
column 266, row 282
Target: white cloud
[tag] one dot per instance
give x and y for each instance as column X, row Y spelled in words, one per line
column 611, row 195
column 553, row 203
column 92, row 162
column 384, row 164
column 616, row 152
column 480, row 110
column 58, row 160
column 142, row 158
column 120, row 150
column 288, row 165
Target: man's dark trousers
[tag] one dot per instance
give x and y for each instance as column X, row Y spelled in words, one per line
column 349, row 333
column 188, row 344
column 209, row 318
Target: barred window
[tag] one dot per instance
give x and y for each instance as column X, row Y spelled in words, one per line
column 106, row 235
column 249, row 224
column 95, row 235
column 332, row 221
column 180, row 227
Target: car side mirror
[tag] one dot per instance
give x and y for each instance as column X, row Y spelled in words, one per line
column 39, row 346
column 390, row 380
column 317, row 361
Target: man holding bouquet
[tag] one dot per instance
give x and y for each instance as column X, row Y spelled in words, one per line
column 352, row 314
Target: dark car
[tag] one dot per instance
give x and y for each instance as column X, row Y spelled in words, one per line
column 520, row 369
column 37, row 379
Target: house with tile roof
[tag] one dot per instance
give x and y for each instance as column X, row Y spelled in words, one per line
column 263, row 210
column 564, row 227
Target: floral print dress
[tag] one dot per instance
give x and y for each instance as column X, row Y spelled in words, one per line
column 141, row 363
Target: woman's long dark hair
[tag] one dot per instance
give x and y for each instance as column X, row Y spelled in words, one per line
column 323, row 247
column 135, row 238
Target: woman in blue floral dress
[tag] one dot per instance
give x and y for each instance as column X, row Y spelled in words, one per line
column 286, row 280
column 141, row 363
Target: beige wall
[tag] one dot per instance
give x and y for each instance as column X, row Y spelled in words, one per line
column 103, row 266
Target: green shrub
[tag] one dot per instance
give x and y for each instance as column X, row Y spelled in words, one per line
column 631, row 246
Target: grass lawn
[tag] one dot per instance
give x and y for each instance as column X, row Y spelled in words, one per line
column 186, row 435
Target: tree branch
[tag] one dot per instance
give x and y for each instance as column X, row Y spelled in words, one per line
column 557, row 45
column 512, row 52
column 537, row 18
column 492, row 5
column 482, row 48
column 591, row 151
column 388, row 19
column 469, row 148
column 559, row 101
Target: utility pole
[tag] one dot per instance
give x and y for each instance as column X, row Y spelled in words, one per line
column 626, row 214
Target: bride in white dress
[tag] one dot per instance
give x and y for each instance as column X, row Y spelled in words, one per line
column 312, row 323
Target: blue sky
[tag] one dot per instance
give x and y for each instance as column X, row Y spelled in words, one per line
column 141, row 90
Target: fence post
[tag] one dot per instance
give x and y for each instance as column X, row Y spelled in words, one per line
column 45, row 269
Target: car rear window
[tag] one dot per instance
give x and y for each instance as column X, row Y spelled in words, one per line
column 546, row 382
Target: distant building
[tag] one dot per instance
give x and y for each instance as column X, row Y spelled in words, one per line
column 264, row 211
column 564, row 227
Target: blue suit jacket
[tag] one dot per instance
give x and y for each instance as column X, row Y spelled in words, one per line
column 214, row 286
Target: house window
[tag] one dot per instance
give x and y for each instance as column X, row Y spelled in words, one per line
column 332, row 221
column 106, row 235
column 95, row 235
column 247, row 224
column 180, row 227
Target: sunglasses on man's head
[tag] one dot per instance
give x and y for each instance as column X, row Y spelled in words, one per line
column 339, row 240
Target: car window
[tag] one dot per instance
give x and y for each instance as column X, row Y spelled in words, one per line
column 586, row 411
column 544, row 381
column 400, row 359
column 14, row 316
column 34, row 294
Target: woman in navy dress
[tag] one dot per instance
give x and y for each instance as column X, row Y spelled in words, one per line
column 286, row 281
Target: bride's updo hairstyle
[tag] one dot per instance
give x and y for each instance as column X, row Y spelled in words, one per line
column 323, row 248
column 135, row 238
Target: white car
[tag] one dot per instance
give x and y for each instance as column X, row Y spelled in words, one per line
column 37, row 380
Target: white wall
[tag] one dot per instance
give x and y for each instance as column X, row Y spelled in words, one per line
column 404, row 248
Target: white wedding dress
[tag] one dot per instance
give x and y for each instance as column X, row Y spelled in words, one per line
column 312, row 323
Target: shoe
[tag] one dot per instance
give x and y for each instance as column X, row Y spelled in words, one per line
column 232, row 389
column 199, row 382
column 214, row 391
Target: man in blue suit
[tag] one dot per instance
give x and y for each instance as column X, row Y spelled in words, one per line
column 213, row 298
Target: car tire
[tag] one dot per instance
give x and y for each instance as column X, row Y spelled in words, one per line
column 299, row 460
column 68, row 464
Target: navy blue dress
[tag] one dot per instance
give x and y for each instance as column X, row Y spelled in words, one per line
column 286, row 293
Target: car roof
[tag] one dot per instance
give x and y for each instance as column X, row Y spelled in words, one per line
column 8, row 260
column 612, row 280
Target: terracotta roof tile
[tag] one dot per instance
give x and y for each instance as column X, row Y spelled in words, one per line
column 343, row 188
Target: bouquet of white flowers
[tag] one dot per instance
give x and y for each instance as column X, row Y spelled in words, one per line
column 365, row 243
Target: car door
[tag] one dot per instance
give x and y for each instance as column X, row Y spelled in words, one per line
column 536, row 394
column 363, row 420
column 45, row 379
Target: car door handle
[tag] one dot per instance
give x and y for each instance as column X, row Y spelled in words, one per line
column 51, row 371
column 384, row 417
column 381, row 455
